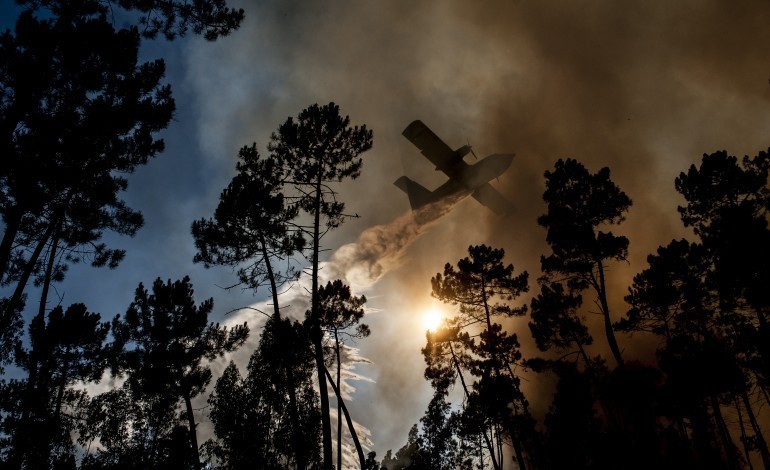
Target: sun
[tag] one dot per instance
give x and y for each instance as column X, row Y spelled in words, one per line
column 432, row 319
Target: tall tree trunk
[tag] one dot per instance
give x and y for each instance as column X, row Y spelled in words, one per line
column 339, row 402
column 316, row 333
column 724, row 434
column 7, row 316
column 41, row 312
column 296, row 435
column 744, row 438
column 504, row 414
column 487, row 439
column 193, row 435
column 12, row 223
column 60, row 392
column 349, row 421
column 23, row 436
column 760, row 439
column 608, row 331
column 48, row 272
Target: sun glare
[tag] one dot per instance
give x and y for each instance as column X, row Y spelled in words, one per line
column 432, row 319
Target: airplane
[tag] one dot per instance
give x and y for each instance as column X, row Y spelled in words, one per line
column 462, row 177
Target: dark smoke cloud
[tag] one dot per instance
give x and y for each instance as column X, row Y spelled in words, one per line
column 643, row 87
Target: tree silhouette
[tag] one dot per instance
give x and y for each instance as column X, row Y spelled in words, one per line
column 172, row 18
column 339, row 311
column 65, row 348
column 319, row 148
column 727, row 206
column 481, row 286
column 448, row 360
column 574, row 434
column 78, row 111
column 578, row 204
column 708, row 301
column 134, row 430
column 167, row 337
column 252, row 225
column 556, row 323
column 260, row 419
column 433, row 444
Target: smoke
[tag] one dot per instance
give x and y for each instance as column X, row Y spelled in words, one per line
column 380, row 249
column 644, row 89
column 360, row 264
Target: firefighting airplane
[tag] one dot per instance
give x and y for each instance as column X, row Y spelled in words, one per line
column 462, row 177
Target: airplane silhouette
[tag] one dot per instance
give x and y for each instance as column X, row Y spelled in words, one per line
column 462, row 177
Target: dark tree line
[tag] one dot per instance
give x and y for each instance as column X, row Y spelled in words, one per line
column 79, row 111
column 706, row 300
column 278, row 208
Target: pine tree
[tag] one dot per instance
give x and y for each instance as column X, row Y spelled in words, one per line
column 167, row 337
column 319, row 148
column 67, row 347
column 482, row 287
column 340, row 311
column 579, row 203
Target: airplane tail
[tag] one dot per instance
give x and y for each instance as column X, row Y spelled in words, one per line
column 418, row 194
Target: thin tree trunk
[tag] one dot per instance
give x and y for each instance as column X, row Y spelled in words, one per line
column 349, row 421
column 193, row 434
column 7, row 316
column 296, row 438
column 339, row 404
column 21, row 441
column 316, row 333
column 48, row 273
column 487, row 440
column 60, row 392
column 760, row 439
column 41, row 312
column 12, row 223
column 744, row 438
column 504, row 414
column 608, row 331
column 724, row 434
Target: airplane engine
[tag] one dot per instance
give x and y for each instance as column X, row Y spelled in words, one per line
column 463, row 151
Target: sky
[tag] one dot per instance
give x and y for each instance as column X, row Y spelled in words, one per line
column 644, row 88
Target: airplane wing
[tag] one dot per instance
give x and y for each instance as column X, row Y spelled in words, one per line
column 491, row 198
column 430, row 145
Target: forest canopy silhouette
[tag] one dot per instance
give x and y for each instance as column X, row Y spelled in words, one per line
column 159, row 385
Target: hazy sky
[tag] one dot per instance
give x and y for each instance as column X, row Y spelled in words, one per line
column 642, row 87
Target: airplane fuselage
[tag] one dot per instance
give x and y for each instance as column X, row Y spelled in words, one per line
column 463, row 177
column 485, row 170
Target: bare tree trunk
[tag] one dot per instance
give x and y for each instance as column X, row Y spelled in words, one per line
column 339, row 403
column 349, row 421
column 487, row 440
column 760, row 439
column 193, row 435
column 504, row 414
column 48, row 273
column 299, row 456
column 608, row 331
column 316, row 333
column 12, row 222
column 6, row 318
column 724, row 434
column 744, row 438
